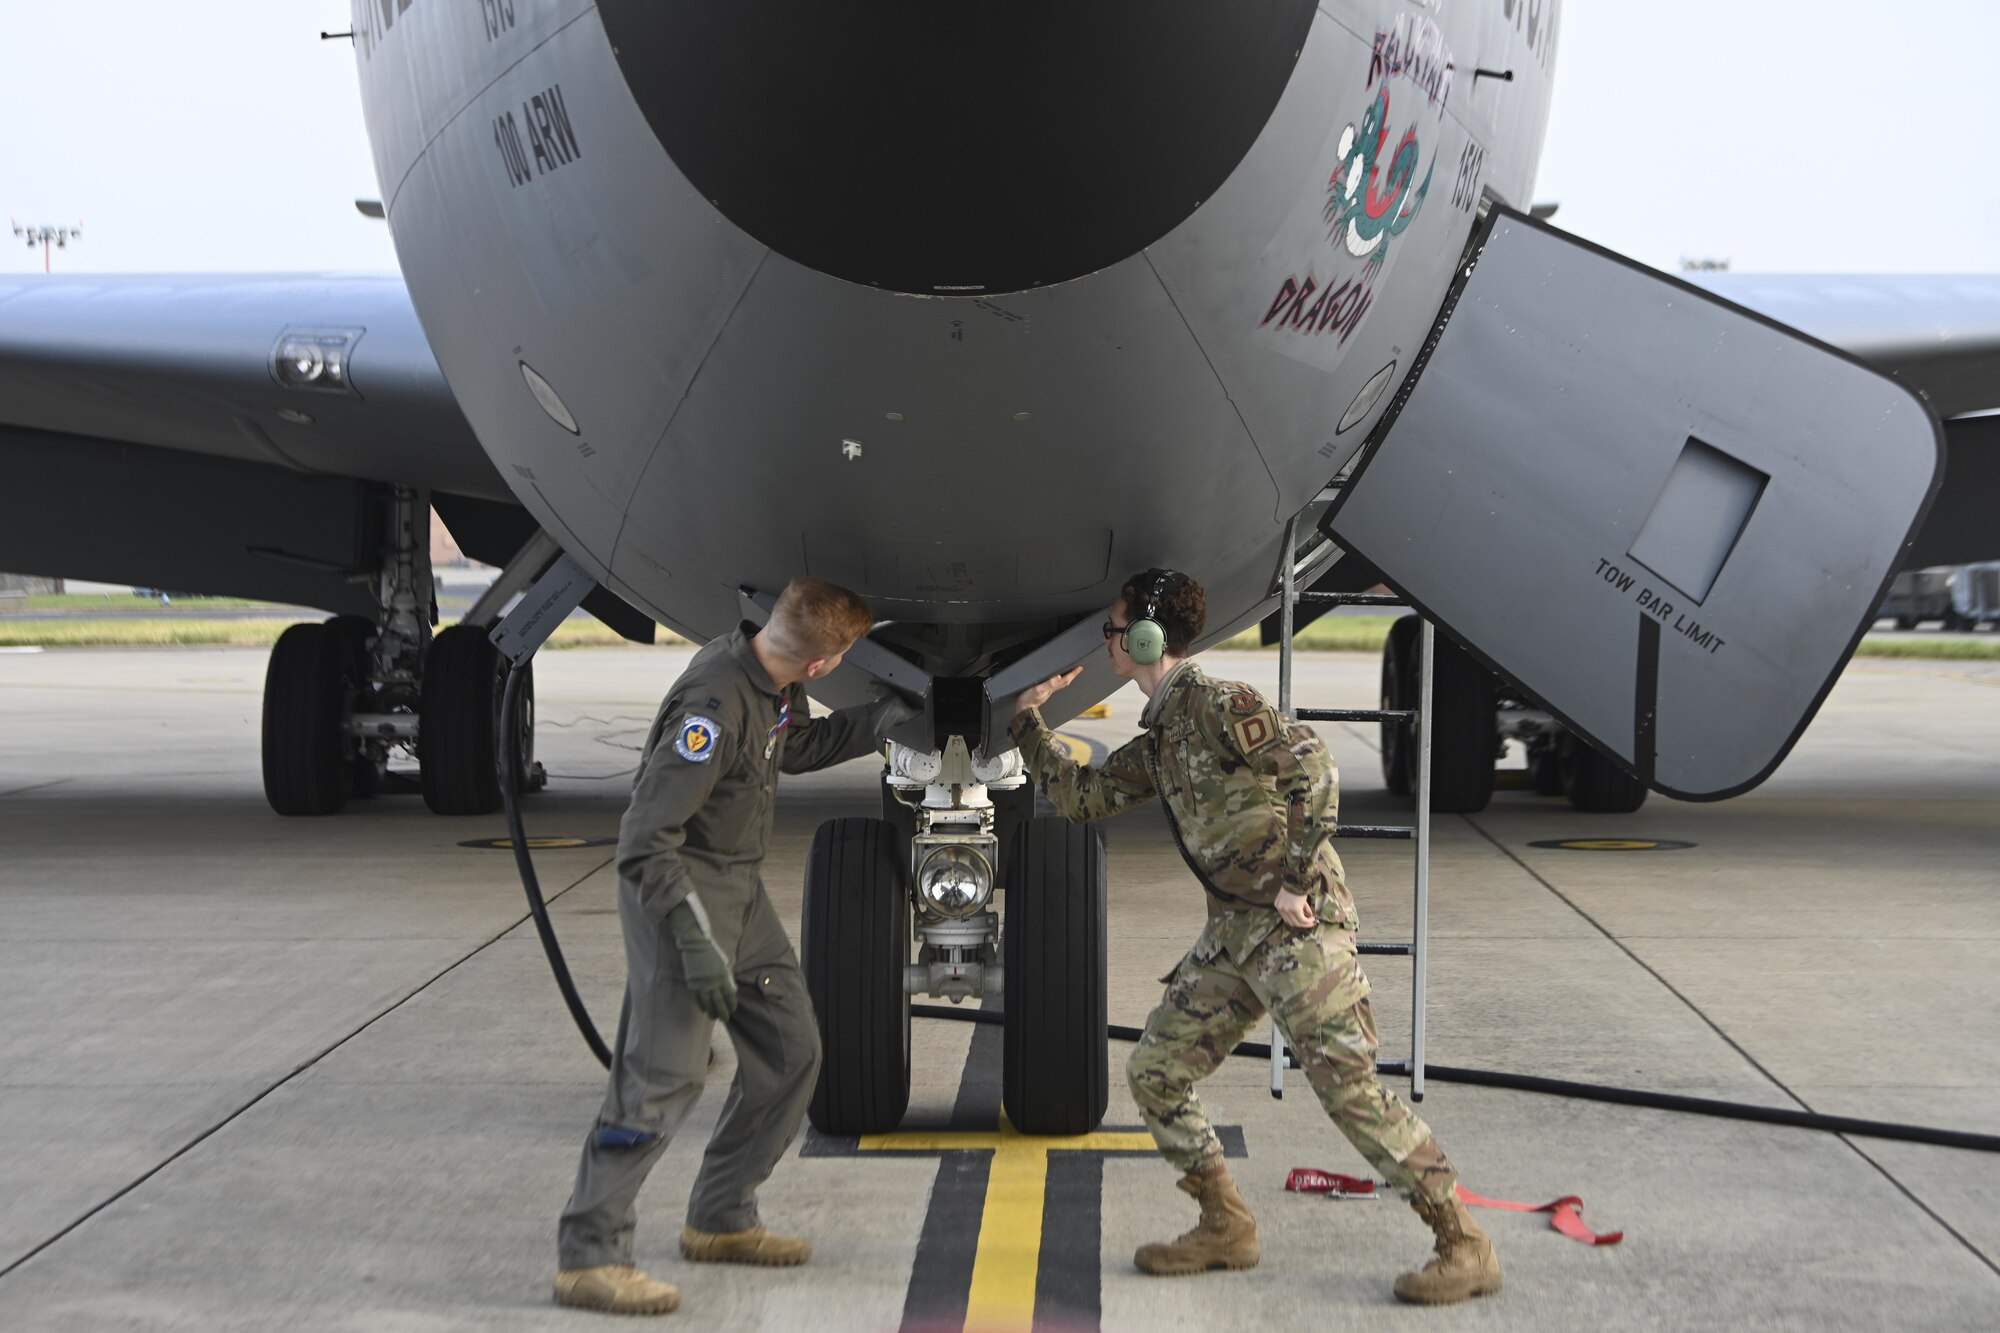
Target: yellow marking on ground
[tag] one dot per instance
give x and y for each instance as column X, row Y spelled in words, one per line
column 1096, row 710
column 1008, row 1256
column 1611, row 844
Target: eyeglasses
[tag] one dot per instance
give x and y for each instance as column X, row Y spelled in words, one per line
column 1111, row 629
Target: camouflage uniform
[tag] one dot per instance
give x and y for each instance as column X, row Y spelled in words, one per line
column 1251, row 798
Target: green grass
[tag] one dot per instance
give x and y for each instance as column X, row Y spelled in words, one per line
column 1329, row 634
column 1936, row 649
column 121, row 601
column 173, row 631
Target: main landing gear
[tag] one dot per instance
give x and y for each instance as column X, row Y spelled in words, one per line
column 342, row 696
column 1474, row 717
column 928, row 877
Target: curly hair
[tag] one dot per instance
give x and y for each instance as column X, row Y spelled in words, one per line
column 1182, row 609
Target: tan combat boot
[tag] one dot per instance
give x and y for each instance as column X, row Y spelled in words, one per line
column 615, row 1289
column 1226, row 1236
column 755, row 1246
column 1465, row 1264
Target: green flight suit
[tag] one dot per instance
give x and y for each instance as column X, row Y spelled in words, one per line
column 699, row 822
column 1252, row 798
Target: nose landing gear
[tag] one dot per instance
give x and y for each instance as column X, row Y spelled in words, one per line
column 929, row 876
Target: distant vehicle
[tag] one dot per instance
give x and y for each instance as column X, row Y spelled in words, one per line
column 1917, row 595
column 1975, row 596
column 1958, row 597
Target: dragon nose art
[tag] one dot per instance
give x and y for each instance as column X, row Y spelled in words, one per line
column 957, row 148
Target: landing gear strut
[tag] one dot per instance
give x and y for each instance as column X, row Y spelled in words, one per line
column 340, row 697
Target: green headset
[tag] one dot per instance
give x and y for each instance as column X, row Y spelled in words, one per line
column 1146, row 637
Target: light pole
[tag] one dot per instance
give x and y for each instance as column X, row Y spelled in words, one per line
column 44, row 236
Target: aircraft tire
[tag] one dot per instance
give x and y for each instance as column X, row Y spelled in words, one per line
column 1593, row 783
column 1465, row 737
column 306, row 697
column 1399, row 690
column 1055, row 1070
column 459, row 723
column 366, row 774
column 1545, row 770
column 855, row 935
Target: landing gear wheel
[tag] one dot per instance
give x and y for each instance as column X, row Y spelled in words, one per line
column 368, row 767
column 1593, row 783
column 1906, row 622
column 308, row 692
column 1544, row 770
column 855, row 932
column 1055, row 1069
column 459, row 724
column 1464, row 728
column 1399, row 690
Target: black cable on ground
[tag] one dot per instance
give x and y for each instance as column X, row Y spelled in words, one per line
column 510, row 797
column 1594, row 1092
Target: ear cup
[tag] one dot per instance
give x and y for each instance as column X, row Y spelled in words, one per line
column 1145, row 642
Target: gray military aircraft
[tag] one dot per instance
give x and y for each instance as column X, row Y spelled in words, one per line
column 976, row 309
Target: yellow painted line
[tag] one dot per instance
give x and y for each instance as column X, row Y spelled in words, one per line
column 1007, row 1258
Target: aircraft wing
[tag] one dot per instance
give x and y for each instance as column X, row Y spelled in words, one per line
column 146, row 435
column 1939, row 334
column 188, row 362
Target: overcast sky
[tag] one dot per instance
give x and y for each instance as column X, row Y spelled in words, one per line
column 1784, row 135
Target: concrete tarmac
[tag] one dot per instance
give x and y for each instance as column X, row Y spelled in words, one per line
column 261, row 1073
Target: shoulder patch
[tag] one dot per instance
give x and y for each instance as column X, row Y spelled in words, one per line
column 1245, row 702
column 696, row 740
column 1255, row 732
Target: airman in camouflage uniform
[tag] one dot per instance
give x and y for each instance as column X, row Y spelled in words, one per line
column 1251, row 797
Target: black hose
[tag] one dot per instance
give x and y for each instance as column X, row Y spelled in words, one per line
column 1594, row 1092
column 510, row 797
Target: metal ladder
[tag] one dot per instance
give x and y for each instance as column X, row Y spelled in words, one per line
column 1418, row 946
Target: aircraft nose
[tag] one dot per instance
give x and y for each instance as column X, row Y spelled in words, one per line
column 953, row 146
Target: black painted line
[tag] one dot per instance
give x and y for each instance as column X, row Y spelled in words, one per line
column 979, row 1087
column 1069, row 1274
column 941, row 1276
column 1646, row 699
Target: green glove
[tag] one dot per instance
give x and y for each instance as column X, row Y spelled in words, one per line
column 706, row 970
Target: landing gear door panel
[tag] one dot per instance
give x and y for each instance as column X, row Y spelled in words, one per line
column 1666, row 517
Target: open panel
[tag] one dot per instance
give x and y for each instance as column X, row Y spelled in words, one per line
column 1668, row 518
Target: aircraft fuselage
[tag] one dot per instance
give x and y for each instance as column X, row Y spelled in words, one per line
column 976, row 315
